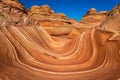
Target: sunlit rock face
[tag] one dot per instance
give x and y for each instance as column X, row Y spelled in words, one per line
column 93, row 18
column 29, row 52
column 112, row 22
column 11, row 13
column 13, row 3
column 55, row 24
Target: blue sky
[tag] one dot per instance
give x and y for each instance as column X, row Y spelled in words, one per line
column 73, row 8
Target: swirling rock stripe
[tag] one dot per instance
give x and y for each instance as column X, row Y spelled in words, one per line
column 30, row 53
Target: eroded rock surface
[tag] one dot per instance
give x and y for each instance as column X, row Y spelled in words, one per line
column 112, row 22
column 11, row 13
column 93, row 18
column 51, row 21
column 28, row 51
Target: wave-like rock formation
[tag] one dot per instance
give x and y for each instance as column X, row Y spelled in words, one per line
column 29, row 52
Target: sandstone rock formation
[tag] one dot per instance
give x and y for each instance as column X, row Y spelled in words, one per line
column 29, row 52
column 38, row 11
column 112, row 22
column 93, row 18
column 51, row 21
column 11, row 13
column 13, row 3
column 113, row 19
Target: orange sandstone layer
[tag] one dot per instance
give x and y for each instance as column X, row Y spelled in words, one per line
column 87, row 50
column 30, row 53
